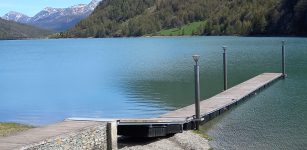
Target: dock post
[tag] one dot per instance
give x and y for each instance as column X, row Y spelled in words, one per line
column 197, row 91
column 225, row 67
column 111, row 135
column 283, row 60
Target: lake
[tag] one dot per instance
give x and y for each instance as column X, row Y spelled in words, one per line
column 46, row 81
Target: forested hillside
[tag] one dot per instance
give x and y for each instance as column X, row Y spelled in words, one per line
column 201, row 17
column 289, row 18
column 13, row 30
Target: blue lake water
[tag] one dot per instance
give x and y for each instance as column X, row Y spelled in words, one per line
column 46, row 81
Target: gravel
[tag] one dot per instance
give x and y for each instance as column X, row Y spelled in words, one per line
column 181, row 141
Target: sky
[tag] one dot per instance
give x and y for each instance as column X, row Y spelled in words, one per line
column 32, row 7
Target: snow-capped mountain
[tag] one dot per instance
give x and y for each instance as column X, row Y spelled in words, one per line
column 16, row 16
column 57, row 19
column 93, row 4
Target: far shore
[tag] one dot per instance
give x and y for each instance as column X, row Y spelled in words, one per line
column 158, row 36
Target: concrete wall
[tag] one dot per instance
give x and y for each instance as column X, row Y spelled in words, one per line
column 98, row 137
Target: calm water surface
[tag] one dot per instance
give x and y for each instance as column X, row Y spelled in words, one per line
column 46, row 81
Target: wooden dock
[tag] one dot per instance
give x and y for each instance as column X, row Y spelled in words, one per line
column 184, row 118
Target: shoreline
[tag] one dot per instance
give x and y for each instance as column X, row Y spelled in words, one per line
column 179, row 141
column 11, row 128
column 158, row 36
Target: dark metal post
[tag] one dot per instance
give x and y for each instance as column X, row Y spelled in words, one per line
column 225, row 67
column 283, row 60
column 197, row 91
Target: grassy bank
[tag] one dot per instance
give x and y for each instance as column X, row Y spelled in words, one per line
column 7, row 129
column 203, row 134
column 186, row 30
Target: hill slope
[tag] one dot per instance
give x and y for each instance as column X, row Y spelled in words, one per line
column 221, row 17
column 13, row 30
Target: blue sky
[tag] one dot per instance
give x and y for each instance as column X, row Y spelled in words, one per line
column 31, row 7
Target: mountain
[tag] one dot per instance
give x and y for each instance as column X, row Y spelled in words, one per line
column 17, row 17
column 113, row 18
column 56, row 19
column 13, row 30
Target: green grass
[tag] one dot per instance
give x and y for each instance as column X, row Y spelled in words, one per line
column 7, row 129
column 202, row 134
column 188, row 29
